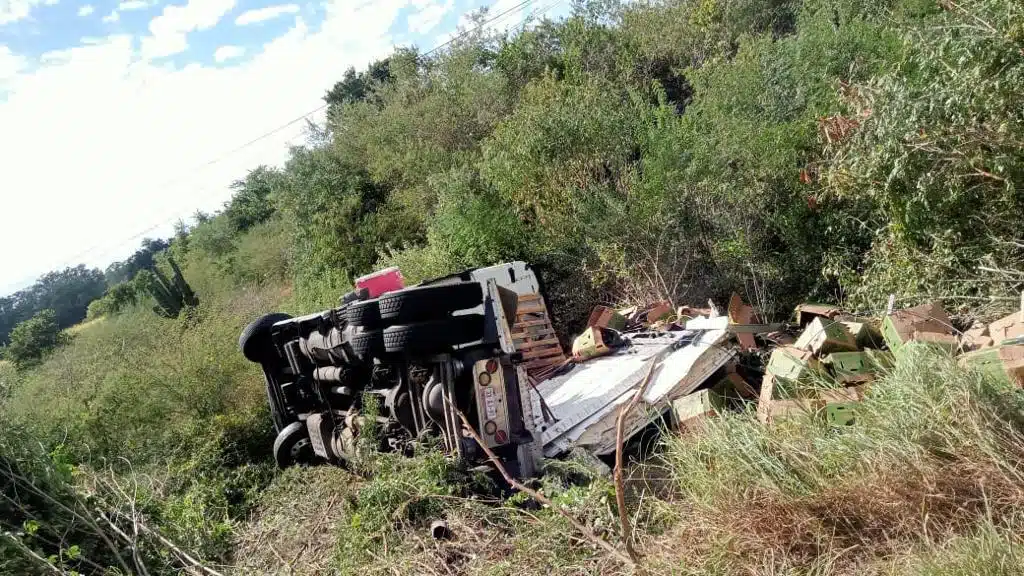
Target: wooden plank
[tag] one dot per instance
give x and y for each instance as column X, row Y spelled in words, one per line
column 542, row 353
column 529, row 297
column 540, row 343
column 530, row 310
column 528, row 323
column 544, row 334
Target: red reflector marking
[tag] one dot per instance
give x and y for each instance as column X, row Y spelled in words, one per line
column 492, row 366
column 500, row 437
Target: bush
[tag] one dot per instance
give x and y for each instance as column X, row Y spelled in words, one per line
column 33, row 339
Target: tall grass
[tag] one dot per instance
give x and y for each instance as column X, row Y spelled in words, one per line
column 937, row 452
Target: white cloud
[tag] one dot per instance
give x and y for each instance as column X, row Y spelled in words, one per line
column 225, row 53
column 14, row 10
column 168, row 30
column 428, row 16
column 132, row 5
column 86, row 10
column 124, row 156
column 50, row 2
column 10, row 64
column 264, row 14
column 112, row 17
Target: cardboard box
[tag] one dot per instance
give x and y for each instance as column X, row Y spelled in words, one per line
column 864, row 334
column 734, row 386
column 1003, row 362
column 693, row 409
column 947, row 342
column 902, row 326
column 805, row 313
column 850, row 367
column 841, row 414
column 605, row 317
column 823, row 336
column 658, row 311
column 798, row 408
column 882, row 360
column 792, row 363
column 1006, row 328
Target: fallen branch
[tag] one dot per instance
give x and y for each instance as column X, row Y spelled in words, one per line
column 538, row 496
column 620, row 490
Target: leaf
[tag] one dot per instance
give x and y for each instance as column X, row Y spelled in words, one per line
column 31, row 526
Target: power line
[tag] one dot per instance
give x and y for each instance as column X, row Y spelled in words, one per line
column 304, row 116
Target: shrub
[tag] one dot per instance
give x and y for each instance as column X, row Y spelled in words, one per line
column 33, row 339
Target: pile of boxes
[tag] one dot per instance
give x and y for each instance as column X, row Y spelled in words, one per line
column 832, row 349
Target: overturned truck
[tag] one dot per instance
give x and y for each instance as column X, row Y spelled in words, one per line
column 411, row 363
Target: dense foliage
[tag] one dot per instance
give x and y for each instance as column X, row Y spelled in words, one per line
column 33, row 339
column 67, row 293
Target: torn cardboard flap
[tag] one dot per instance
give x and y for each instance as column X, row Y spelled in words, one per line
column 605, row 317
column 740, row 313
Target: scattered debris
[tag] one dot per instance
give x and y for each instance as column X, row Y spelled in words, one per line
column 439, row 530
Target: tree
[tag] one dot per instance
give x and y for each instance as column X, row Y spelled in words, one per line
column 33, row 339
column 67, row 292
column 251, row 202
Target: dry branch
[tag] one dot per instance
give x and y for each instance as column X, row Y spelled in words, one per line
column 620, row 490
column 587, row 533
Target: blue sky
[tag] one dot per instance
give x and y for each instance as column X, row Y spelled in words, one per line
column 109, row 108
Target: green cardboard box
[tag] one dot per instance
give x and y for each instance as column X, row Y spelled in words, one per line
column 823, row 336
column 693, row 408
column 841, row 414
column 1003, row 362
column 792, row 364
column 850, row 367
column 909, row 324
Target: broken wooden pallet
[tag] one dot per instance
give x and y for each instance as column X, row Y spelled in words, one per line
column 534, row 336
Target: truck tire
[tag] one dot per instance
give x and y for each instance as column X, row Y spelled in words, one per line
column 367, row 345
column 435, row 336
column 292, row 446
column 364, row 313
column 425, row 303
column 254, row 341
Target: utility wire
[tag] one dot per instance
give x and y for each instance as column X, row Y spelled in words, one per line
column 304, row 116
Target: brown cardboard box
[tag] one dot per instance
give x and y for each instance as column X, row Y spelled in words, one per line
column 803, row 407
column 901, row 326
column 1006, row 328
column 805, row 313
